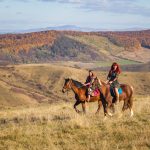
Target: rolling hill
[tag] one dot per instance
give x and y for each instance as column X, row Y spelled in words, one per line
column 47, row 46
column 35, row 114
column 42, row 83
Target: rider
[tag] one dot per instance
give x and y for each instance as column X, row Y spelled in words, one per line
column 112, row 79
column 93, row 83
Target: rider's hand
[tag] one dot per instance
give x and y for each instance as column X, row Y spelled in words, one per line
column 106, row 82
column 110, row 82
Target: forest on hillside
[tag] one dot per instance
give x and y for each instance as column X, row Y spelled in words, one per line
column 56, row 45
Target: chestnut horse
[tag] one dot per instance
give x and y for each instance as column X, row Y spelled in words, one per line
column 104, row 98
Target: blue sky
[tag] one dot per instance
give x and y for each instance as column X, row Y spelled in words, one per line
column 101, row 14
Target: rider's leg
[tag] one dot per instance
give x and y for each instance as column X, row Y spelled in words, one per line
column 117, row 95
column 88, row 98
column 89, row 94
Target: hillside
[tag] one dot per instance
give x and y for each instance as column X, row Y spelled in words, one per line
column 42, row 83
column 35, row 114
column 130, row 40
column 128, row 67
column 47, row 46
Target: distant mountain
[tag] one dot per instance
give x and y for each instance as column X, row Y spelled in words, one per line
column 63, row 28
column 57, row 28
column 69, row 28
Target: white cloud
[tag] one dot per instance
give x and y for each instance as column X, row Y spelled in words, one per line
column 115, row 6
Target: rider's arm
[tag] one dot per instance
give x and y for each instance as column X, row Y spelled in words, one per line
column 85, row 84
column 106, row 81
column 99, row 81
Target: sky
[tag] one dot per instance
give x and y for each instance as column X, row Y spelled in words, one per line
column 98, row 14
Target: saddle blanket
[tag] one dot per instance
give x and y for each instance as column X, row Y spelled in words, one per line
column 113, row 93
column 96, row 92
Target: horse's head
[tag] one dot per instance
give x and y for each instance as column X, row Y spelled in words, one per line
column 67, row 85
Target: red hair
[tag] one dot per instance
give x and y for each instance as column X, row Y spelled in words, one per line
column 118, row 70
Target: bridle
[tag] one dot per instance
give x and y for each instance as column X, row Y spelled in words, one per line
column 68, row 89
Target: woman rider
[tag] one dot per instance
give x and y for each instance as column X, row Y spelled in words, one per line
column 112, row 79
column 93, row 83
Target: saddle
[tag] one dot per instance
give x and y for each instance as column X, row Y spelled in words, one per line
column 113, row 92
column 96, row 92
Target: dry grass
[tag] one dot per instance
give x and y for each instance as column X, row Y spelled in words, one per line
column 31, row 125
column 58, row 126
column 31, row 84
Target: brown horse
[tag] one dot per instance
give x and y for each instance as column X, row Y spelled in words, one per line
column 104, row 98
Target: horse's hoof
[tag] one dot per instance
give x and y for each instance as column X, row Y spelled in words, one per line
column 131, row 115
column 97, row 113
column 110, row 114
column 78, row 111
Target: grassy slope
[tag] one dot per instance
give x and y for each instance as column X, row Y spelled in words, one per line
column 25, row 84
column 99, row 42
column 59, row 127
column 10, row 98
column 40, row 83
column 56, row 125
column 113, row 51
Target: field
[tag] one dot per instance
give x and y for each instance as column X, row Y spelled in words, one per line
column 35, row 115
column 57, row 126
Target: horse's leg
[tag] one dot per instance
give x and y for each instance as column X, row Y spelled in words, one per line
column 109, row 103
column 125, row 106
column 75, row 106
column 84, row 107
column 112, row 108
column 108, row 106
column 104, row 103
column 105, row 111
column 99, row 106
column 130, row 105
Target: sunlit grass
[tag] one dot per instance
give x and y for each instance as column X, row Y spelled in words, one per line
column 109, row 63
column 58, row 126
column 102, row 44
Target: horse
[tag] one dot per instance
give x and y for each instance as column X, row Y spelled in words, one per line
column 104, row 99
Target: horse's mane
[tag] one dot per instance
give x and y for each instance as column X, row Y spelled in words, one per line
column 77, row 83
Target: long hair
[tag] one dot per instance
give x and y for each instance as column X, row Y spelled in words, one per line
column 93, row 74
column 118, row 70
